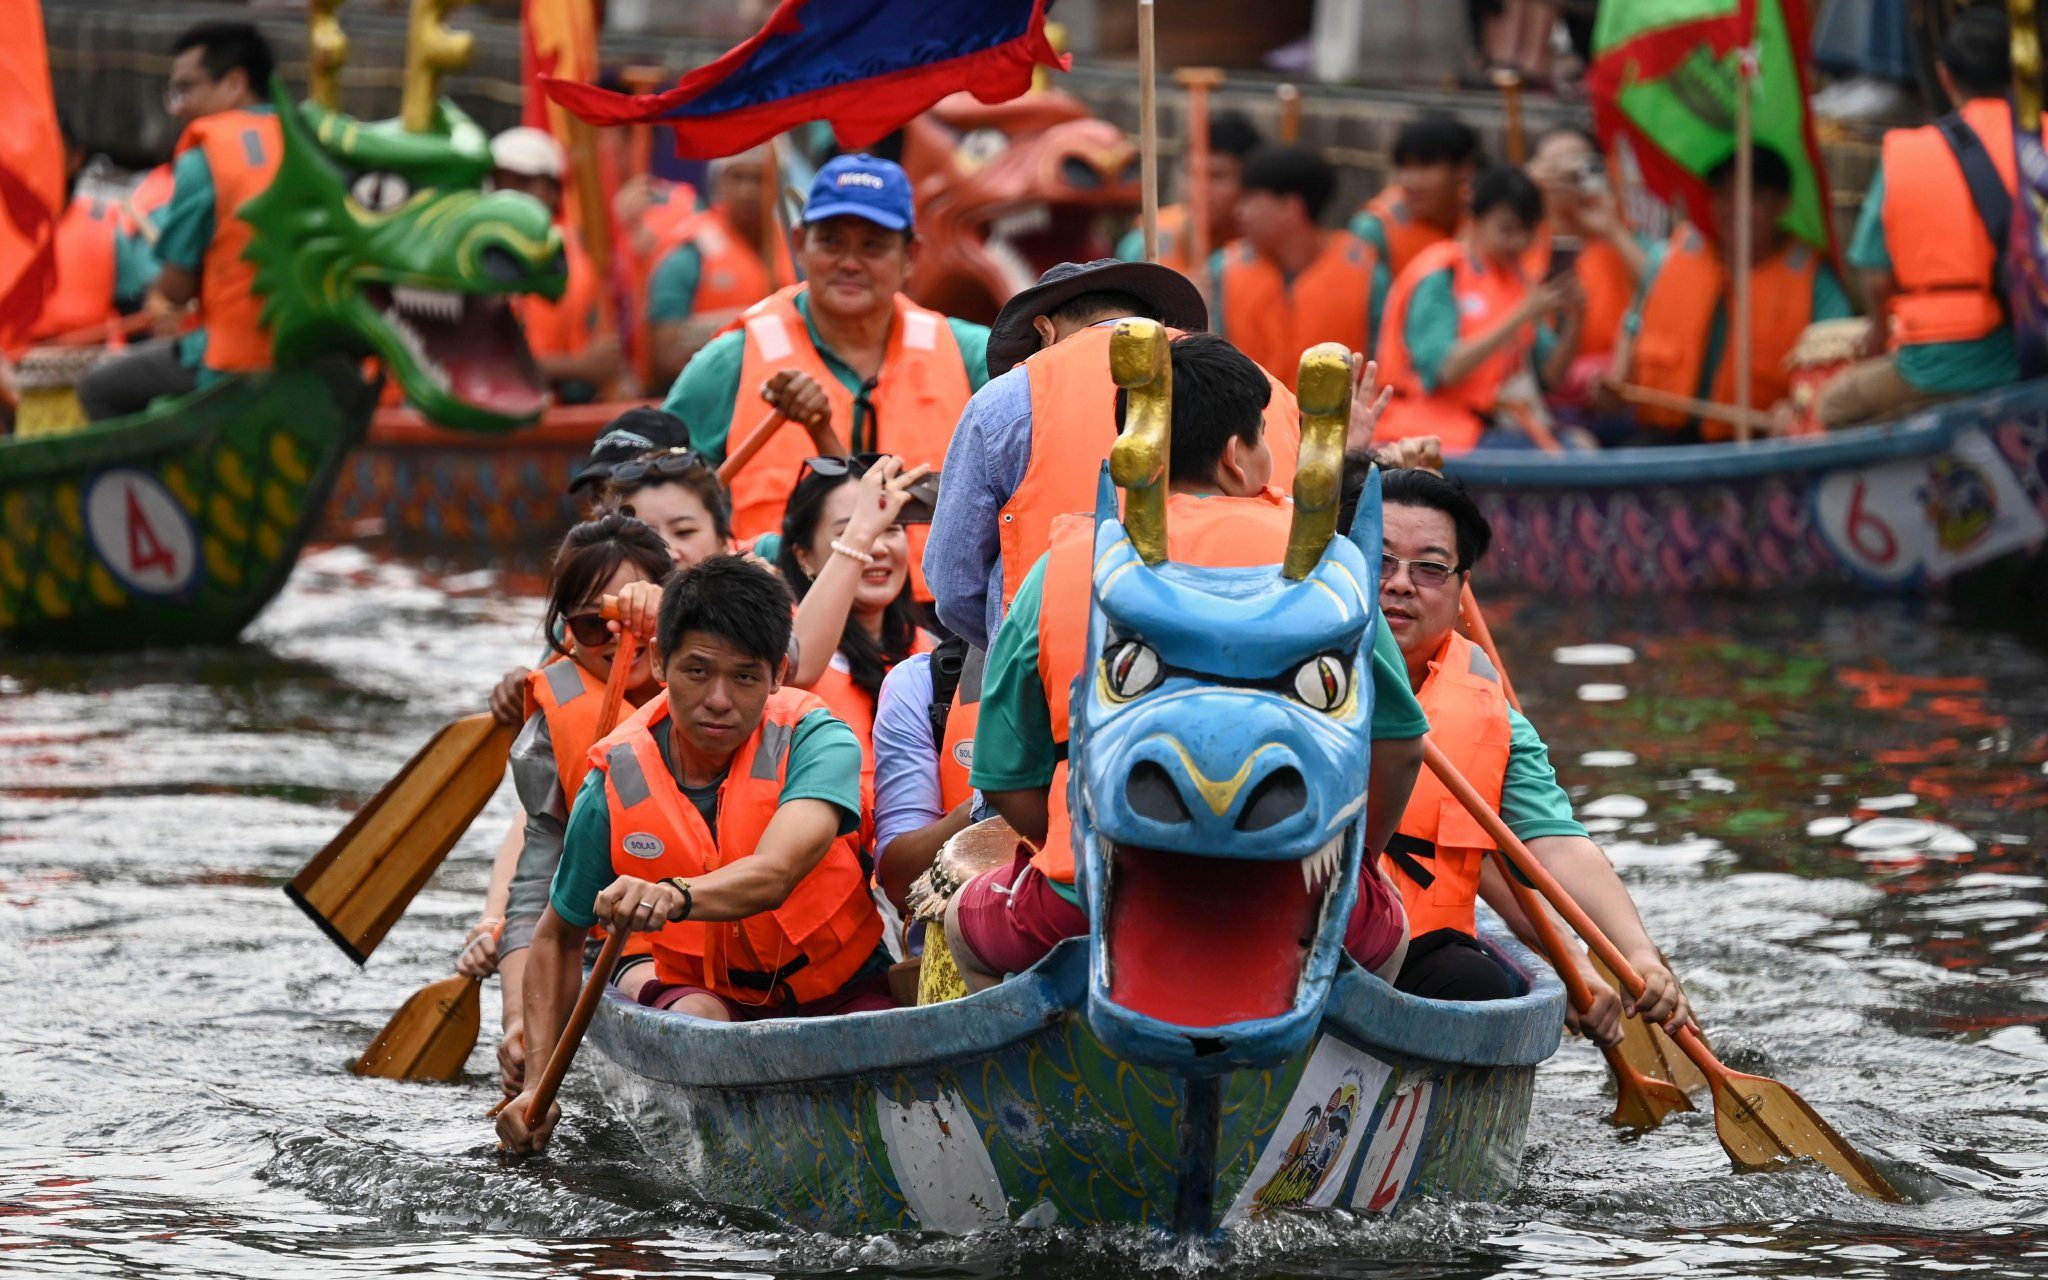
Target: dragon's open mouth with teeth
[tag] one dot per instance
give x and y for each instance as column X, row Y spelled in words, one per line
column 467, row 345
column 1006, row 190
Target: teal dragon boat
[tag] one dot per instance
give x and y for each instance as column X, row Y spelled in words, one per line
column 1208, row 1051
column 178, row 525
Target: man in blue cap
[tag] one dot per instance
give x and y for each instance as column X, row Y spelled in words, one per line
column 845, row 355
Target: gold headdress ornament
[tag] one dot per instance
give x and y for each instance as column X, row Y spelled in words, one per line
column 1324, row 392
column 1138, row 461
column 326, row 51
column 2026, row 63
column 430, row 49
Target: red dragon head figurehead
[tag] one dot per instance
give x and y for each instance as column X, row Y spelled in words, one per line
column 1005, row 191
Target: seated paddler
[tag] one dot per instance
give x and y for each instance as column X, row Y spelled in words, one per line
column 1221, row 513
column 1433, row 536
column 721, row 818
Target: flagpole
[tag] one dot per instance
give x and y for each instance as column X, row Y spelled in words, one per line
column 1148, row 130
column 1745, row 203
column 771, row 229
column 1198, row 81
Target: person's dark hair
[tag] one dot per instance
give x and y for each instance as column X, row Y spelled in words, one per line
column 1511, row 189
column 1087, row 308
column 228, row 46
column 867, row 661
column 1436, row 139
column 1978, row 53
column 1292, row 171
column 588, row 557
column 1218, row 392
column 1767, row 168
column 617, row 495
column 1418, row 487
column 732, row 597
column 1231, row 134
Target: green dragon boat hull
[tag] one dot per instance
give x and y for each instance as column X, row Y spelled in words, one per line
column 176, row 526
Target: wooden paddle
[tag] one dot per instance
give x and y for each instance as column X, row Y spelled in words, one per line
column 756, row 439
column 1760, row 1121
column 579, row 1022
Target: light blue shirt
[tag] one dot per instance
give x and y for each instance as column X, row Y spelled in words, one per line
column 985, row 464
column 906, row 758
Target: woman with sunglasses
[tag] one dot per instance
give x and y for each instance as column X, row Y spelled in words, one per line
column 846, row 557
column 676, row 493
column 564, row 698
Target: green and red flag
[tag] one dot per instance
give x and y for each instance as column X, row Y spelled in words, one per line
column 1664, row 77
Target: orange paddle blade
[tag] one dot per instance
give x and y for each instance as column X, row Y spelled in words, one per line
column 430, row 1036
column 1639, row 1101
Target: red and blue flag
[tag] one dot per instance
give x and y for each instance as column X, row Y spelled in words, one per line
column 865, row 66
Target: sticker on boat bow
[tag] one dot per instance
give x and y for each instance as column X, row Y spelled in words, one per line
column 642, row 845
column 140, row 532
column 1928, row 517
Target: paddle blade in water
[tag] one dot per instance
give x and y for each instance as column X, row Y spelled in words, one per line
column 1641, row 1102
column 430, row 1036
column 360, row 884
column 1761, row 1123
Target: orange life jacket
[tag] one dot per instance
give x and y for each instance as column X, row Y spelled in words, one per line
column 1215, row 533
column 85, row 244
column 1456, row 413
column 242, row 151
column 956, row 753
column 1438, row 838
column 1942, row 258
column 154, row 191
column 1609, row 284
column 732, row 274
column 856, row 706
column 803, row 950
column 572, row 699
column 917, row 399
column 1678, row 317
column 670, row 206
column 1273, row 320
column 1407, row 235
column 1073, row 425
column 563, row 328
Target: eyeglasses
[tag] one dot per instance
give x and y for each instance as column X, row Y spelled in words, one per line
column 1423, row 573
column 589, row 629
column 666, row 465
column 855, row 466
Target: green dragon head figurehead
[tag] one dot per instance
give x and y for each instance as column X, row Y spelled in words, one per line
column 378, row 238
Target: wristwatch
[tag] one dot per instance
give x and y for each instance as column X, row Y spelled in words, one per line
column 681, row 886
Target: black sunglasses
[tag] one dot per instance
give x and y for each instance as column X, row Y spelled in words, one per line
column 666, row 465
column 833, row 468
column 589, row 629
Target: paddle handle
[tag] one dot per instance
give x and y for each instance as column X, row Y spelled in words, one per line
column 579, row 1022
column 1573, row 913
column 755, row 440
column 1482, row 635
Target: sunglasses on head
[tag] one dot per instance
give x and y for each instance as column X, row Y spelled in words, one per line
column 666, row 465
column 1423, row 573
column 857, row 465
column 589, row 629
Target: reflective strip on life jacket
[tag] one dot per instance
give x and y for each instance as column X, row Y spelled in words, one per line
column 572, row 699
column 1213, row 532
column 1456, row 413
column 800, row 951
column 1436, row 858
column 1273, row 319
column 243, row 149
column 1073, row 425
column 1942, row 257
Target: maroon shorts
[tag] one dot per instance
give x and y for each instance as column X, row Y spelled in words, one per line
column 866, row 993
column 1011, row 916
column 1376, row 922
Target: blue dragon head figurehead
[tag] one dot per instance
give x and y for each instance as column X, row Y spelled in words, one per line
column 1221, row 741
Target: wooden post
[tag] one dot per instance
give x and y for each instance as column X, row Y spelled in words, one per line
column 1148, row 130
column 1198, row 81
column 1745, row 251
column 1290, row 113
column 1509, row 82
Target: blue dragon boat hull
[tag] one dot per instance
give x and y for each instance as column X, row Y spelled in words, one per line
column 1893, row 507
column 1005, row 1108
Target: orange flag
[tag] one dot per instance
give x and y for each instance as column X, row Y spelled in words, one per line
column 31, row 169
column 558, row 38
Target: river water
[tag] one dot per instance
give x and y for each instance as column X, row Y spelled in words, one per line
column 1833, row 814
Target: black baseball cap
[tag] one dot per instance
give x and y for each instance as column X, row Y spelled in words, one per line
column 626, row 437
column 1174, row 300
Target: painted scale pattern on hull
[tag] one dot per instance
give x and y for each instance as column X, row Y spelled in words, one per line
column 495, row 494
column 174, row 528
column 1054, row 1130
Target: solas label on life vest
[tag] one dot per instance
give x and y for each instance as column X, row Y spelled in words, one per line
column 642, row 845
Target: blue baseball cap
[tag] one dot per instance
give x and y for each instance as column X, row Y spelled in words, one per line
column 863, row 187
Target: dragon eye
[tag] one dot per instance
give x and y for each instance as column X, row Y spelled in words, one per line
column 381, row 192
column 1132, row 669
column 980, row 146
column 1323, row 682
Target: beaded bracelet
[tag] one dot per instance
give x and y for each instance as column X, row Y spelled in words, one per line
column 841, row 549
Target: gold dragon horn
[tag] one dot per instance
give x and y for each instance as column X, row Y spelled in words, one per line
column 1138, row 461
column 2026, row 63
column 326, row 52
column 430, row 49
column 1324, row 392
